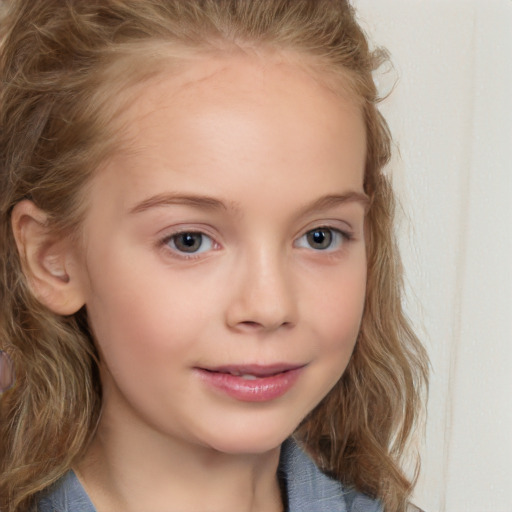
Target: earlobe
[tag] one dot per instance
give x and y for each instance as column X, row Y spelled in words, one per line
column 48, row 260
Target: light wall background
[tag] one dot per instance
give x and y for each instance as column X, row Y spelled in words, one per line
column 451, row 116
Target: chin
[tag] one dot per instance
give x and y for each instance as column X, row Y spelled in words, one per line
column 250, row 443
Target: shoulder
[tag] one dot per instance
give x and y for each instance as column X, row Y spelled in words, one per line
column 307, row 488
column 66, row 495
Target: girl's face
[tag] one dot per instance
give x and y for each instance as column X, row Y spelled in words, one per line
column 225, row 265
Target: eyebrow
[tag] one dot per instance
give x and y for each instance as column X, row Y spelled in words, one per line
column 197, row 201
column 333, row 200
column 211, row 203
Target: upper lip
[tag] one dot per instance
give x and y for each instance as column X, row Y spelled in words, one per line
column 254, row 369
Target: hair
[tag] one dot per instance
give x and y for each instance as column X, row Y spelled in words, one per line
column 61, row 64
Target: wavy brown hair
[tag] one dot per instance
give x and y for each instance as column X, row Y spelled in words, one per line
column 63, row 64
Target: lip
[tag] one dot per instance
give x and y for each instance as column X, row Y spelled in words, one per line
column 267, row 382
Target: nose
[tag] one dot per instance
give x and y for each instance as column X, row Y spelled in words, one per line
column 263, row 296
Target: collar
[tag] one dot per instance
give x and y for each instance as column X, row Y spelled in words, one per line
column 307, row 489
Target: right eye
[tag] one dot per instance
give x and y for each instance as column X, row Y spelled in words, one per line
column 190, row 242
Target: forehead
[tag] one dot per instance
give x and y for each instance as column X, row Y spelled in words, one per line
column 205, row 85
column 237, row 115
column 183, row 75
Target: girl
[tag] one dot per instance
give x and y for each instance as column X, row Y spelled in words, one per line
column 201, row 293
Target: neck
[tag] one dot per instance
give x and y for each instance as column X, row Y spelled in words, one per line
column 133, row 471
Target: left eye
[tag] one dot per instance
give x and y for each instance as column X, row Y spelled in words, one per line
column 321, row 239
column 190, row 242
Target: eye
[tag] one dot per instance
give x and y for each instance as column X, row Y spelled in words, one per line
column 322, row 239
column 190, row 242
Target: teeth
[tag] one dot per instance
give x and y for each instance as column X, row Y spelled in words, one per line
column 245, row 376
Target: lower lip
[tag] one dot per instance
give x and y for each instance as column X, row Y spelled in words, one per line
column 258, row 390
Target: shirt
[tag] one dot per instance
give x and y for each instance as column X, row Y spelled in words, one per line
column 307, row 489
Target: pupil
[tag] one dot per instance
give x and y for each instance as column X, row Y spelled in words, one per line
column 189, row 242
column 320, row 238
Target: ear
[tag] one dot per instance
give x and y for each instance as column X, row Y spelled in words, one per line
column 49, row 261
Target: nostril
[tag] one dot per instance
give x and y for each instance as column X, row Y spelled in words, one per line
column 250, row 324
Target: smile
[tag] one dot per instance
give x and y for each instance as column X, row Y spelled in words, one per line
column 251, row 383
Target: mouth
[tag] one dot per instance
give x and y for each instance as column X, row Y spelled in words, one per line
column 251, row 383
column 253, row 372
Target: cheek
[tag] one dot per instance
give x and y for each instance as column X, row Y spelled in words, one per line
column 143, row 352
column 142, row 318
column 337, row 320
column 335, row 316
column 128, row 316
column 339, row 305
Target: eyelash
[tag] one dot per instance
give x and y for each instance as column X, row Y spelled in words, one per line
column 337, row 236
column 170, row 242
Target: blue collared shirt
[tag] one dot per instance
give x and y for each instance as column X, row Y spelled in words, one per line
column 307, row 489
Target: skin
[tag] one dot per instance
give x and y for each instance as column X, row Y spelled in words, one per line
column 267, row 143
